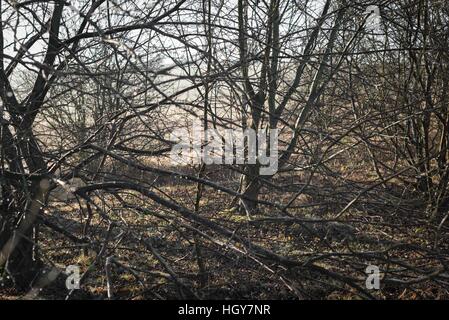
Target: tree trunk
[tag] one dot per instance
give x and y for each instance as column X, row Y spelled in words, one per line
column 250, row 188
column 16, row 245
column 21, row 203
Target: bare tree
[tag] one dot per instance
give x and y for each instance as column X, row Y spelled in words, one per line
column 92, row 91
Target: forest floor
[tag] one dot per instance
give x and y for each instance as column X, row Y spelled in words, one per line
column 411, row 253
